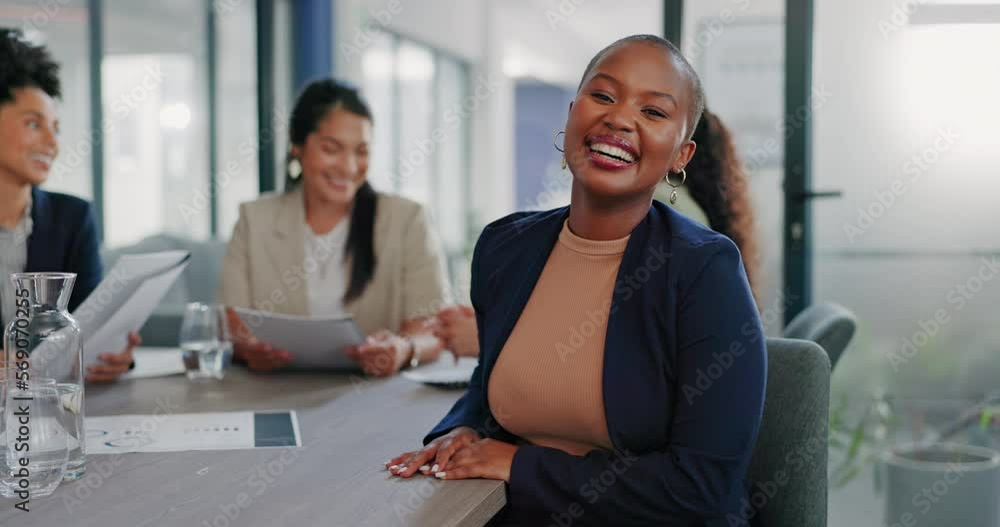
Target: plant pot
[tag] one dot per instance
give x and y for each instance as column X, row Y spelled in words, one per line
column 942, row 484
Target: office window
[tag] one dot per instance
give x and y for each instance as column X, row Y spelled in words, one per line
column 63, row 30
column 236, row 168
column 421, row 132
column 378, row 66
column 916, row 227
column 452, row 188
column 155, row 101
column 415, row 78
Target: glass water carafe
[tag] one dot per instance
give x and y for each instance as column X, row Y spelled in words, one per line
column 34, row 448
column 43, row 341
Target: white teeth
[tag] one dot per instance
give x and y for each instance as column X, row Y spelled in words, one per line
column 44, row 158
column 610, row 150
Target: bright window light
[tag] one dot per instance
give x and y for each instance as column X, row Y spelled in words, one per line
column 176, row 116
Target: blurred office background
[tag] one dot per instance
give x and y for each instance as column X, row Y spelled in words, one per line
column 175, row 112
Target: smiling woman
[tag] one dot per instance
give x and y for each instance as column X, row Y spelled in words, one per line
column 332, row 245
column 41, row 231
column 592, row 320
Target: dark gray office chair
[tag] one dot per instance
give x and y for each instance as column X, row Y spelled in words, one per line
column 788, row 468
column 827, row 324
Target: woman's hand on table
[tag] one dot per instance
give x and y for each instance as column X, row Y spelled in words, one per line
column 113, row 365
column 382, row 354
column 485, row 458
column 434, row 455
column 459, row 454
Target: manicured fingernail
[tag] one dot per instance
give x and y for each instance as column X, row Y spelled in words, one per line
column 439, row 475
column 435, row 468
column 402, row 468
column 394, row 467
column 387, row 462
column 425, row 468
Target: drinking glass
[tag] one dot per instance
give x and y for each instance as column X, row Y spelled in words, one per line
column 205, row 341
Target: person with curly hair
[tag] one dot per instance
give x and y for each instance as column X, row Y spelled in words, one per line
column 716, row 192
column 40, row 230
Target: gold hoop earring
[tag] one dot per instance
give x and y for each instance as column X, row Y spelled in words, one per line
column 556, row 146
column 673, row 192
column 564, row 162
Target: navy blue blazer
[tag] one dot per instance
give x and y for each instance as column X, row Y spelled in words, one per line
column 684, row 375
column 64, row 239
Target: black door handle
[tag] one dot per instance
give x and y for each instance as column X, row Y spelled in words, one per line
column 823, row 194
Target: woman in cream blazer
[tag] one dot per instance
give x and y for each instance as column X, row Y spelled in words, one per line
column 332, row 245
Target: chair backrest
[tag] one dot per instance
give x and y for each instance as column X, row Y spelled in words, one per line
column 827, row 324
column 178, row 292
column 204, row 269
column 788, row 468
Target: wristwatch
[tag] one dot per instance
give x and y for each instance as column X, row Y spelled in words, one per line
column 414, row 352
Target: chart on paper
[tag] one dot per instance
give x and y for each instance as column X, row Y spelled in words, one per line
column 184, row 432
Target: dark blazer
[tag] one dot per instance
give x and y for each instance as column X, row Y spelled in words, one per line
column 64, row 239
column 684, row 375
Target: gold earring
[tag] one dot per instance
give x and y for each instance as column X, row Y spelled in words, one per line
column 294, row 168
column 564, row 162
column 673, row 192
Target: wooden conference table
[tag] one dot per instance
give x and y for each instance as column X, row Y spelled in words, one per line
column 349, row 427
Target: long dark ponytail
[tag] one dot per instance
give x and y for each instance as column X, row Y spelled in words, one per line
column 315, row 101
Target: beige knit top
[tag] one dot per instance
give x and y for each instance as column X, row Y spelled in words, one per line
column 546, row 386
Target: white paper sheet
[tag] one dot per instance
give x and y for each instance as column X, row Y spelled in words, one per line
column 178, row 432
column 156, row 362
column 314, row 342
column 125, row 298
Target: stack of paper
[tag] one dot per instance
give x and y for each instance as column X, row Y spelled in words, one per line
column 314, row 342
column 123, row 301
